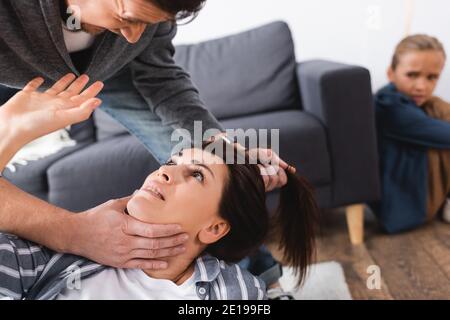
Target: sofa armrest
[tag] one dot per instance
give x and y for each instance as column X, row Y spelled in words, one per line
column 340, row 96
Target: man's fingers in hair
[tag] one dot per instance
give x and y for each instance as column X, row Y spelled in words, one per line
column 260, row 154
column 284, row 165
column 269, row 181
column 282, row 178
column 263, row 171
column 272, row 170
column 268, row 157
column 273, row 182
column 265, row 178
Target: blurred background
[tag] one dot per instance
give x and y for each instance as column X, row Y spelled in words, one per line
column 362, row 32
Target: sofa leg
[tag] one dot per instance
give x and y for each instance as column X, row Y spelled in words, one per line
column 355, row 223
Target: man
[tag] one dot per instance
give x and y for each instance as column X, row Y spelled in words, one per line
column 127, row 44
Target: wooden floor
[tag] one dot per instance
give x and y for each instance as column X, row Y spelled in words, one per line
column 413, row 265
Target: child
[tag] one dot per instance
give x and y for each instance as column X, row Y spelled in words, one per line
column 414, row 137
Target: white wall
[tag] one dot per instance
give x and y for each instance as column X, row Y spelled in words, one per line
column 362, row 32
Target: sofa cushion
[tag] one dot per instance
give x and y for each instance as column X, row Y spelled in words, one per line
column 246, row 73
column 303, row 141
column 32, row 177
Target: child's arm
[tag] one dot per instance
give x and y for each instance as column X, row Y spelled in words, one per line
column 438, row 109
column 413, row 125
column 21, row 264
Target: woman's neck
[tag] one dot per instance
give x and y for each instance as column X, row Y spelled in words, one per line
column 180, row 269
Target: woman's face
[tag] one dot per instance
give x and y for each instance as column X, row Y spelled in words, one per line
column 186, row 191
column 417, row 74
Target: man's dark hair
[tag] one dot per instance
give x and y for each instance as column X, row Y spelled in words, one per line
column 181, row 9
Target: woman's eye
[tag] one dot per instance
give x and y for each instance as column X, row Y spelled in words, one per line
column 170, row 163
column 198, row 175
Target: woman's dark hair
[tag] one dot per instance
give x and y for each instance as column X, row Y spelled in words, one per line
column 243, row 205
column 181, row 9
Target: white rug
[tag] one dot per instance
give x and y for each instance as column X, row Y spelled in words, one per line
column 325, row 281
column 41, row 148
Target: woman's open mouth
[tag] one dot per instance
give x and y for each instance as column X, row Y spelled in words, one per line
column 154, row 191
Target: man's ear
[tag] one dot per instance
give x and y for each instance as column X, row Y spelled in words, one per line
column 214, row 232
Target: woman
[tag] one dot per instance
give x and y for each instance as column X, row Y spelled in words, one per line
column 224, row 214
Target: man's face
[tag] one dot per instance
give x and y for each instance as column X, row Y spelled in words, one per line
column 417, row 74
column 128, row 18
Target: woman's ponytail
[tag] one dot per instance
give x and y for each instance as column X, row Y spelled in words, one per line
column 294, row 224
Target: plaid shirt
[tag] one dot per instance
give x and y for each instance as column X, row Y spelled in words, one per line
column 31, row 271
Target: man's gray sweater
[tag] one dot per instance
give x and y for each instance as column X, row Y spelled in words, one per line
column 32, row 44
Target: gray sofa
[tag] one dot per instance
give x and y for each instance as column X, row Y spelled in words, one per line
column 249, row 80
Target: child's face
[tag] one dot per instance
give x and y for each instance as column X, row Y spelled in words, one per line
column 417, row 74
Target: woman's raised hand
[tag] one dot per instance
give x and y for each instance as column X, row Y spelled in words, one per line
column 31, row 114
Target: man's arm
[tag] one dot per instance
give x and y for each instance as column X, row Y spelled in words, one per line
column 167, row 88
column 31, row 218
column 103, row 234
